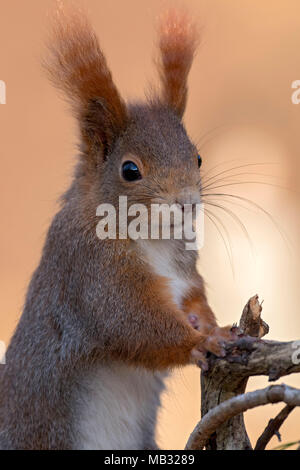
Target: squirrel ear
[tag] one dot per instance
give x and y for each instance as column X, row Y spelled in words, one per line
column 76, row 65
column 178, row 40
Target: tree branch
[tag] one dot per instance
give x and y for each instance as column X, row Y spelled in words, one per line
column 226, row 379
column 248, row 358
column 236, row 405
column 273, row 428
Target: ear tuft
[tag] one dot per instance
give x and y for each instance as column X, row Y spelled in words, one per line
column 178, row 40
column 76, row 65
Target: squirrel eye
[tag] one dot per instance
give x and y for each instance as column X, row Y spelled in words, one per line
column 199, row 161
column 130, row 172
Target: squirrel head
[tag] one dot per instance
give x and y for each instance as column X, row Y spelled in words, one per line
column 140, row 151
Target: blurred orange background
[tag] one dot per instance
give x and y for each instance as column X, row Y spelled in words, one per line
column 240, row 89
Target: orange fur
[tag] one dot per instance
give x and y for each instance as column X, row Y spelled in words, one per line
column 76, row 65
column 177, row 44
column 195, row 303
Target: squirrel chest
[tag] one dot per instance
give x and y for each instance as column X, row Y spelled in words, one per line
column 168, row 259
column 117, row 407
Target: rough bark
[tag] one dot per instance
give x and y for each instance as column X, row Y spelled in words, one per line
column 273, row 428
column 236, row 405
column 227, row 379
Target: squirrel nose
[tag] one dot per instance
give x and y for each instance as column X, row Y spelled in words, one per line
column 188, row 196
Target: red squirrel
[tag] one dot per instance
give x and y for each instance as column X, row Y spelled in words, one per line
column 105, row 320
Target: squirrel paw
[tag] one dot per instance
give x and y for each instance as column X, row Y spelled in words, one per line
column 199, row 357
column 218, row 338
column 214, row 343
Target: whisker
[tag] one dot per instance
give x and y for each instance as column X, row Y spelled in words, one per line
column 230, row 177
column 202, row 142
column 244, row 182
column 237, row 168
column 235, row 204
column 261, row 209
column 227, row 244
column 237, row 220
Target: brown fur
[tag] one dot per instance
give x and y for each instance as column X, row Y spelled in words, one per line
column 93, row 304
